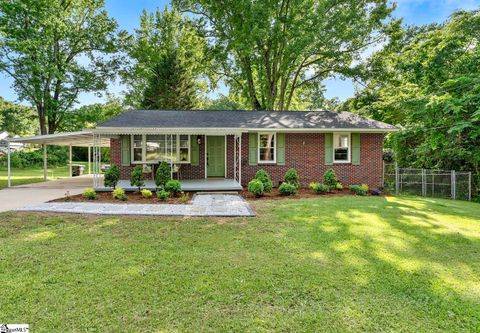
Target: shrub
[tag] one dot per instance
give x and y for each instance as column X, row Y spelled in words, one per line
column 57, row 156
column 291, row 177
column 255, row 187
column 339, row 186
column 184, row 198
column 136, row 179
column 174, row 187
column 359, row 189
column 264, row 177
column 287, row 189
column 119, row 194
column 146, row 193
column 319, row 188
column 89, row 193
column 163, row 174
column 163, row 195
column 330, row 179
column 112, row 176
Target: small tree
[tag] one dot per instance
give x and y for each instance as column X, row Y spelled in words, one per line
column 163, row 174
column 112, row 176
column 264, row 177
column 291, row 177
column 330, row 179
column 136, row 178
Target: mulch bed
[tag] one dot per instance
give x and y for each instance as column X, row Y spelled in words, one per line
column 302, row 193
column 133, row 197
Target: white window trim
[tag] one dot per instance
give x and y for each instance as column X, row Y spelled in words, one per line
column 144, row 150
column 274, row 161
column 349, row 153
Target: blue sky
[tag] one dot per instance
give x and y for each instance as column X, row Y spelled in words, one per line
column 127, row 13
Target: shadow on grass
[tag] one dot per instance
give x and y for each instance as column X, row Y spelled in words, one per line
column 422, row 253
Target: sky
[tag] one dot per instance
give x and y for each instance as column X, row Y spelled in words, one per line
column 127, row 13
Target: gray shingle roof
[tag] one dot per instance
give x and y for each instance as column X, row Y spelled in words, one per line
column 244, row 120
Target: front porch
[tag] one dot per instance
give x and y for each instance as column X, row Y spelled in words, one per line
column 188, row 185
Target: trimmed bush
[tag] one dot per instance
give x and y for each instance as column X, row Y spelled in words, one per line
column 163, row 195
column 146, row 193
column 287, row 189
column 255, row 187
column 330, row 179
column 359, row 189
column 264, row 177
column 291, row 177
column 136, row 179
column 174, row 187
column 89, row 193
column 119, row 194
column 112, row 176
column 319, row 188
column 339, row 186
column 163, row 174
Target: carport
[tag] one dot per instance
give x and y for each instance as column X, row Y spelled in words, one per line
column 84, row 138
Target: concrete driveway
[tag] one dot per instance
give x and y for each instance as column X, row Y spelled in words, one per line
column 25, row 195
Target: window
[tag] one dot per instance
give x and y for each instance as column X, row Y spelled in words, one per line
column 341, row 148
column 153, row 148
column 137, row 148
column 266, row 148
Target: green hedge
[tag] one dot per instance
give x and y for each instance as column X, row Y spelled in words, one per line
column 56, row 156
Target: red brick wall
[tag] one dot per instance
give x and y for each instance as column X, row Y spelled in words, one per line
column 304, row 151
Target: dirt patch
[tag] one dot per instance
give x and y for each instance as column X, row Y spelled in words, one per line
column 302, row 193
column 133, row 197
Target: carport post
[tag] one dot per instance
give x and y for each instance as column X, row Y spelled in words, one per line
column 8, row 164
column 70, row 160
column 45, row 162
column 89, row 160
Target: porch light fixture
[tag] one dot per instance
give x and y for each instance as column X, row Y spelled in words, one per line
column 199, row 139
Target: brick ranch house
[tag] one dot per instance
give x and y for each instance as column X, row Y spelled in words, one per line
column 234, row 145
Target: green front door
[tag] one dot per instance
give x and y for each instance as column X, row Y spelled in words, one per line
column 215, row 156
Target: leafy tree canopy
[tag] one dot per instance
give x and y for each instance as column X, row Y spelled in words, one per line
column 54, row 50
column 168, row 64
column 17, row 119
column 427, row 79
column 270, row 51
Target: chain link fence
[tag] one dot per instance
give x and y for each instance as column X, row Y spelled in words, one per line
column 449, row 184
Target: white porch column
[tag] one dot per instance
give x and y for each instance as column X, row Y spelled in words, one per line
column 8, row 165
column 70, row 173
column 89, row 160
column 240, row 161
column 45, row 170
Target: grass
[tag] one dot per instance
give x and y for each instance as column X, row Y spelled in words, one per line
column 340, row 264
column 33, row 175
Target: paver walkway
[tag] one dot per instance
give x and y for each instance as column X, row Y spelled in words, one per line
column 202, row 205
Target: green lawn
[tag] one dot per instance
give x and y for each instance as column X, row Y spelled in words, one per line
column 33, row 175
column 354, row 264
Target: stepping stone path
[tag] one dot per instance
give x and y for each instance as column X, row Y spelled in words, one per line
column 202, row 205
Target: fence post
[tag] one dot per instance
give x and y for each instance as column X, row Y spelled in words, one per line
column 424, row 183
column 470, row 186
column 452, row 184
column 397, row 179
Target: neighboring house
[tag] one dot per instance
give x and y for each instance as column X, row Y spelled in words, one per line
column 236, row 144
column 14, row 146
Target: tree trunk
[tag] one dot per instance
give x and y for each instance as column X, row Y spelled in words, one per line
column 41, row 119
